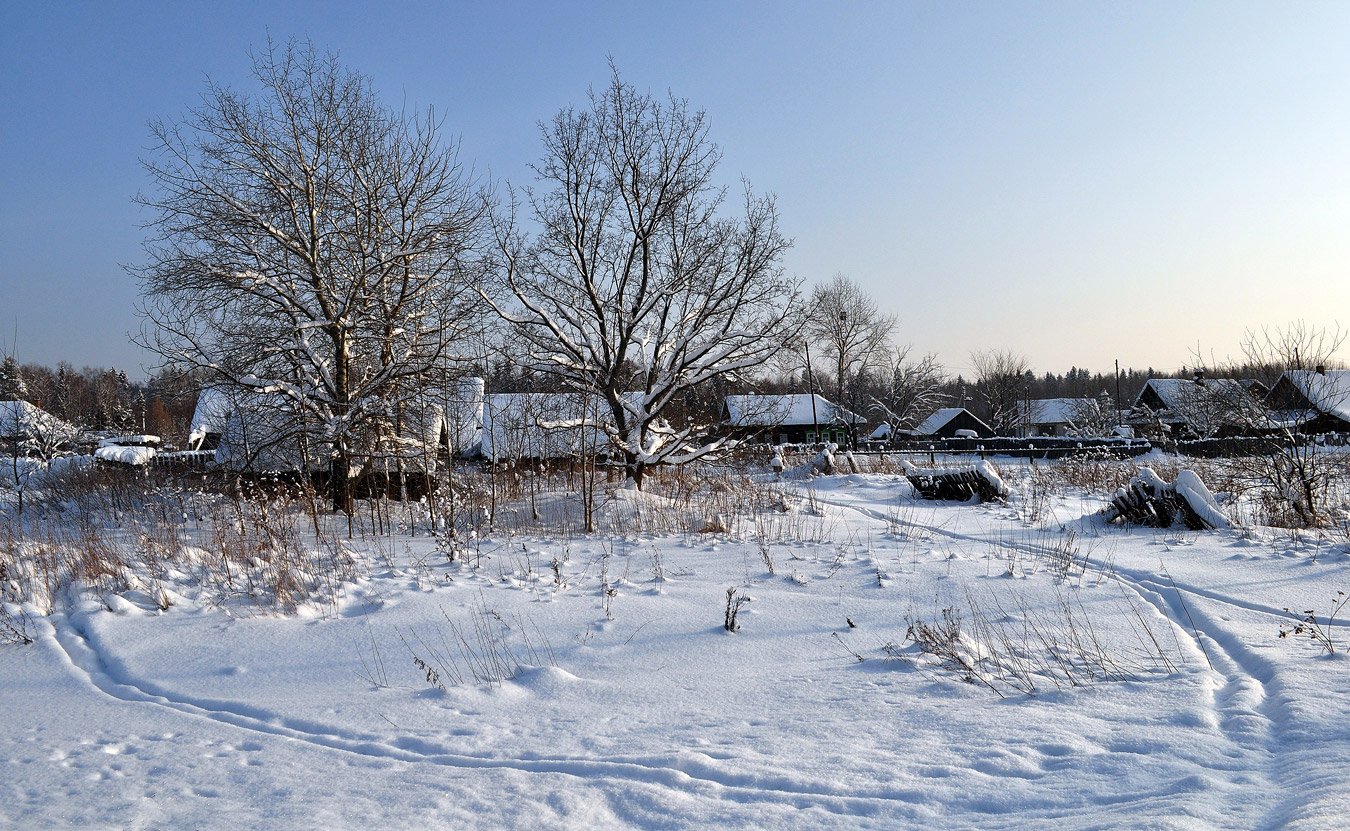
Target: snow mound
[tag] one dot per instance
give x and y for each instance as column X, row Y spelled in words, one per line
column 1191, row 488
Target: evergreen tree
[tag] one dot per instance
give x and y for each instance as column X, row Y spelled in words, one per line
column 61, row 400
column 12, row 387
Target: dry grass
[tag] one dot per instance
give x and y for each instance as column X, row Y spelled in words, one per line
column 107, row 532
column 1004, row 645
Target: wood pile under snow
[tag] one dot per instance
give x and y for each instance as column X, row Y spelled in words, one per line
column 1149, row 500
column 958, row 484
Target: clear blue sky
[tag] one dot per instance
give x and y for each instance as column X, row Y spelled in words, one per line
column 1074, row 181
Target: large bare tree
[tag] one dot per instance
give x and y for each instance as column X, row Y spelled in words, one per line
column 633, row 283
column 851, row 335
column 310, row 247
column 1001, row 380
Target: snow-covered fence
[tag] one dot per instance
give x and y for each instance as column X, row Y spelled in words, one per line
column 1040, row 447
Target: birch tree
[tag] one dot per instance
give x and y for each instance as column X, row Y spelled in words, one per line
column 634, row 284
column 308, row 248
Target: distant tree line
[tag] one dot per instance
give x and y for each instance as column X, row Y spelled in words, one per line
column 104, row 399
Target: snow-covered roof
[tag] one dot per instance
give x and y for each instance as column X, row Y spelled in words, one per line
column 131, row 441
column 938, row 420
column 783, row 411
column 882, row 433
column 1328, row 391
column 20, row 419
column 1178, row 393
column 543, row 425
column 463, row 413
column 457, row 411
column 1046, row 411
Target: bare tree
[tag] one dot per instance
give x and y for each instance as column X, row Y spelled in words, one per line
column 309, row 246
column 635, row 287
column 1001, row 381
column 911, row 389
column 30, row 439
column 1093, row 417
column 1310, row 395
column 851, row 335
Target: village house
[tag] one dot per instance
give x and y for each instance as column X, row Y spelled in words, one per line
column 950, row 423
column 1061, row 416
column 789, row 419
column 267, row 432
column 1313, row 401
column 1196, row 408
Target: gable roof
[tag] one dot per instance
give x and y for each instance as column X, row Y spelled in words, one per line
column 1328, row 392
column 211, row 415
column 1178, row 393
column 1057, row 410
column 543, row 425
column 941, row 418
column 794, row 410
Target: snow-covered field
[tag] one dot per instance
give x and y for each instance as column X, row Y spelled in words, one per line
column 1114, row 678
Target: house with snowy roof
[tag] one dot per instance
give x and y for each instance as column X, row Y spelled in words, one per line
column 1062, row 416
column 1200, row 407
column 789, row 419
column 267, row 432
column 1312, row 400
column 952, row 422
column 544, row 426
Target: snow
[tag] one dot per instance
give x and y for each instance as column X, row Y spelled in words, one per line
column 1193, row 489
column 637, row 710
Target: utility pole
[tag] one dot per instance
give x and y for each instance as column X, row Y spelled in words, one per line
column 811, row 390
column 1117, row 392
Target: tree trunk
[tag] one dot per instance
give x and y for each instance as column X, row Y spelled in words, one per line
column 635, row 469
column 341, row 468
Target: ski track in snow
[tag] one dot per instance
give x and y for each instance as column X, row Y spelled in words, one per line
column 687, row 775
column 1247, row 707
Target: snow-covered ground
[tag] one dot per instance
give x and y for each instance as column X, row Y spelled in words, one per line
column 1160, row 693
